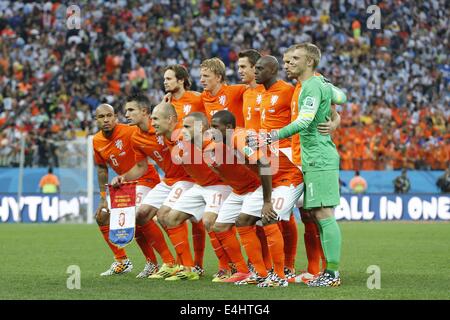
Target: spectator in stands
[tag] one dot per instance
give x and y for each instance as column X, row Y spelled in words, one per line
column 444, row 182
column 402, row 183
column 49, row 183
column 358, row 184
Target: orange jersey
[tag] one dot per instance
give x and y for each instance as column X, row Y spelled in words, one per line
column 117, row 152
column 149, row 144
column 276, row 108
column 284, row 172
column 296, row 154
column 252, row 103
column 233, row 171
column 228, row 98
column 191, row 158
column 191, row 101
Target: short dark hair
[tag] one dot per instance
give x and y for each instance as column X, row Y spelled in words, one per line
column 225, row 117
column 142, row 101
column 251, row 54
column 199, row 116
column 181, row 73
column 50, row 170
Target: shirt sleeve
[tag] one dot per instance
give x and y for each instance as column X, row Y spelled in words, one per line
column 308, row 104
column 338, row 96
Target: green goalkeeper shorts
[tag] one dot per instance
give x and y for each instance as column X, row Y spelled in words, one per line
column 321, row 189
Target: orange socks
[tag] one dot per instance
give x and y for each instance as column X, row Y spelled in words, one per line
column 290, row 237
column 155, row 238
column 119, row 254
column 313, row 247
column 252, row 246
column 276, row 247
column 232, row 247
column 221, row 254
column 198, row 239
column 179, row 238
column 265, row 249
column 145, row 246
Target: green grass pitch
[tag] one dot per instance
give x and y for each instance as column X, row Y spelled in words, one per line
column 414, row 260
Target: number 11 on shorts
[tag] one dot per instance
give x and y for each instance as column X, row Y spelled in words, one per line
column 311, row 192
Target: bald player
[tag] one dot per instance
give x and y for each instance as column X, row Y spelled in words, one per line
column 112, row 147
column 177, row 83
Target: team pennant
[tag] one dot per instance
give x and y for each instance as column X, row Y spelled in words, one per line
column 123, row 214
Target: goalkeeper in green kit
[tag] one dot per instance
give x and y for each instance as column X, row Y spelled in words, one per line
column 320, row 159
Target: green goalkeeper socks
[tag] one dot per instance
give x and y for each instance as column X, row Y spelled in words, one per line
column 330, row 235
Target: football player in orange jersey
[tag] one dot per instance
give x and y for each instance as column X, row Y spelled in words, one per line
column 253, row 95
column 217, row 95
column 177, row 83
column 276, row 113
column 287, row 184
column 112, row 146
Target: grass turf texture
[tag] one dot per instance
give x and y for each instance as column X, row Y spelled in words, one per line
column 413, row 258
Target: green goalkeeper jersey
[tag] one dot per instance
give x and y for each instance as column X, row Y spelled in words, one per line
column 318, row 151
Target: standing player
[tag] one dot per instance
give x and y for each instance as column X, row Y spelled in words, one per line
column 177, row 83
column 112, row 146
column 217, row 95
column 275, row 114
column 320, row 159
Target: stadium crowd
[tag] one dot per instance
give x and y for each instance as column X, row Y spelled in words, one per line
column 396, row 77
